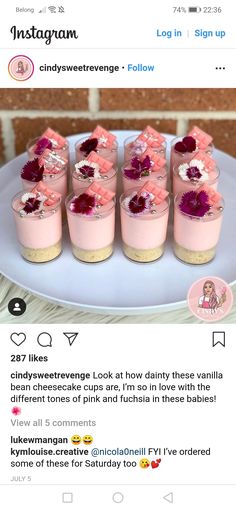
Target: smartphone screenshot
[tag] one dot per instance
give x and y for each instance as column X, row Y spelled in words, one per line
column 117, row 259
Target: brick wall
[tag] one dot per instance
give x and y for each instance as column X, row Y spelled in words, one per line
column 25, row 113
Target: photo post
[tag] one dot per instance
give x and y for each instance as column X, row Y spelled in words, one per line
column 117, row 260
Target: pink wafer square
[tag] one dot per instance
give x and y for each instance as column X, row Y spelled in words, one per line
column 57, row 140
column 159, row 193
column 102, row 195
column 203, row 139
column 214, row 196
column 105, row 138
column 151, row 137
column 104, row 165
column 52, row 197
column 209, row 163
column 158, row 161
column 52, row 162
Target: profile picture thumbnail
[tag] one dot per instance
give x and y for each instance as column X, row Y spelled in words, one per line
column 210, row 299
column 21, row 68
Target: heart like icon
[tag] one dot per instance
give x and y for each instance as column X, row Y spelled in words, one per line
column 156, row 463
column 18, row 339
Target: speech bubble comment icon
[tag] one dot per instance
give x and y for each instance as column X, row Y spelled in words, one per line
column 45, row 340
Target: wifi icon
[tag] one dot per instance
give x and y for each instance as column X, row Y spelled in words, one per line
column 52, row 9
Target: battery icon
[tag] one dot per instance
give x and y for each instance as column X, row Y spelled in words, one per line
column 194, row 9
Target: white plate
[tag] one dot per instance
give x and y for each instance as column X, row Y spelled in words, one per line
column 116, row 286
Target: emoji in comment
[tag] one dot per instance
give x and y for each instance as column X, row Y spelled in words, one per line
column 156, row 463
column 144, row 463
column 76, row 439
column 87, row 439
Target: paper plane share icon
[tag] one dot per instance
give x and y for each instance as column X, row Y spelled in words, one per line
column 71, row 336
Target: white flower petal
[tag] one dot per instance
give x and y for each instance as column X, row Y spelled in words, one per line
column 86, row 163
column 102, row 140
column 127, row 200
column 97, row 174
column 139, row 147
column 183, row 167
column 182, row 173
column 204, row 176
column 197, row 163
column 28, row 196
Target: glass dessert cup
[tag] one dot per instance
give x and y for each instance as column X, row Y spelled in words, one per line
column 56, row 182
column 109, row 181
column 159, row 178
column 177, row 158
column 39, row 235
column 181, row 185
column 92, row 236
column 196, row 238
column 63, row 152
column 108, row 153
column 130, row 150
column 144, row 235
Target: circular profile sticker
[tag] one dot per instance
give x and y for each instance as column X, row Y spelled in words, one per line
column 21, row 68
column 210, row 299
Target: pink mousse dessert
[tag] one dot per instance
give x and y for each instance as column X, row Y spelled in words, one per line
column 148, row 167
column 94, row 169
column 37, row 216
column 201, row 169
column 197, row 224
column 49, row 140
column 183, row 150
column 144, row 219
column 148, row 139
column 48, row 169
column 91, row 220
column 102, row 142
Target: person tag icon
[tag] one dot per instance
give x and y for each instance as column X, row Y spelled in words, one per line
column 17, row 306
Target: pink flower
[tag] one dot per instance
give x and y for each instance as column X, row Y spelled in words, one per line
column 194, row 203
column 193, row 173
column 89, row 145
column 138, row 168
column 87, row 171
column 84, row 204
column 137, row 204
column 16, row 410
column 32, row 171
column 41, row 145
column 31, row 205
column 187, row 145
